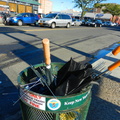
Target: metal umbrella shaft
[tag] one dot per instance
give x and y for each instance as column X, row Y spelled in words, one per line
column 96, row 77
column 42, row 80
column 101, row 66
column 110, row 68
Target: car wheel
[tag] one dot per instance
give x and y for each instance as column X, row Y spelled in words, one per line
column 95, row 25
column 36, row 23
column 53, row 25
column 100, row 25
column 20, row 23
column 68, row 25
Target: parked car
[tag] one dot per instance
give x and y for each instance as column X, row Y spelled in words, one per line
column 1, row 17
column 76, row 22
column 24, row 18
column 109, row 23
column 92, row 22
column 96, row 23
column 86, row 22
column 41, row 15
column 104, row 23
column 6, row 18
column 56, row 19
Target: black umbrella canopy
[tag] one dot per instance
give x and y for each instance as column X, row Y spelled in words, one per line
column 72, row 77
column 67, row 69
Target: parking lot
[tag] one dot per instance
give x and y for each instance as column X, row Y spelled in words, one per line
column 21, row 46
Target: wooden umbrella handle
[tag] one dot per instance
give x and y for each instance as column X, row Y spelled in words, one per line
column 114, row 65
column 116, row 50
column 46, row 48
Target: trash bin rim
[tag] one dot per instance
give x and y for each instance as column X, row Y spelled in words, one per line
column 61, row 97
column 48, row 96
column 64, row 100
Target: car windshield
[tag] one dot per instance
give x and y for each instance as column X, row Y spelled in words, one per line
column 18, row 15
column 90, row 20
column 73, row 19
column 50, row 16
column 99, row 20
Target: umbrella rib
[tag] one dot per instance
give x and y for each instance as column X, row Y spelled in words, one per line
column 43, row 80
column 26, row 90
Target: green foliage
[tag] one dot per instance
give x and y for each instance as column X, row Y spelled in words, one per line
column 113, row 9
column 86, row 4
column 98, row 5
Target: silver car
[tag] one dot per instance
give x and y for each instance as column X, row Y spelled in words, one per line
column 56, row 19
column 76, row 22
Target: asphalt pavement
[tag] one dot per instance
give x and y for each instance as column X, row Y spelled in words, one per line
column 105, row 104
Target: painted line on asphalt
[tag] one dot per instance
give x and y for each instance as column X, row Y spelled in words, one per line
column 4, row 31
column 3, row 55
column 52, row 29
column 43, row 29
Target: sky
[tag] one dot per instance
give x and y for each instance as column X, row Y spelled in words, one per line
column 59, row 5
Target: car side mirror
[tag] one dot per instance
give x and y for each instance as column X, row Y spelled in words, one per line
column 57, row 17
column 25, row 16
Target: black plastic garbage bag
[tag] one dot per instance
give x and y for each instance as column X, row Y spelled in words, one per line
column 72, row 77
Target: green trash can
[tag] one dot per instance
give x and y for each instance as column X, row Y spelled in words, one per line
column 35, row 106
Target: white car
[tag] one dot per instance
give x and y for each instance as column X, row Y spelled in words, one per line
column 109, row 23
column 76, row 22
column 56, row 19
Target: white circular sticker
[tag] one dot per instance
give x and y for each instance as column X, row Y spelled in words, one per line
column 53, row 104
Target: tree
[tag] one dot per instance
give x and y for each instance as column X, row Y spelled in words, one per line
column 98, row 5
column 113, row 9
column 86, row 5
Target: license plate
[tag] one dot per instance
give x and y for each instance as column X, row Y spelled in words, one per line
column 41, row 23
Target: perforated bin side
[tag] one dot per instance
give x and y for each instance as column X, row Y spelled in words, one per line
column 79, row 113
column 31, row 113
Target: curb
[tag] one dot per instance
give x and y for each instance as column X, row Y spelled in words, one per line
column 1, row 24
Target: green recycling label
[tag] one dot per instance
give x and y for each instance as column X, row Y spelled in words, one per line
column 67, row 103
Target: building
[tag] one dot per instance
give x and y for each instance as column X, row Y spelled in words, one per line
column 102, row 16
column 45, row 7
column 71, row 12
column 19, row 6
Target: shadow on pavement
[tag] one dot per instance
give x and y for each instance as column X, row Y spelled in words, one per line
column 99, row 109
column 8, row 91
column 115, row 28
column 66, row 46
column 8, row 95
